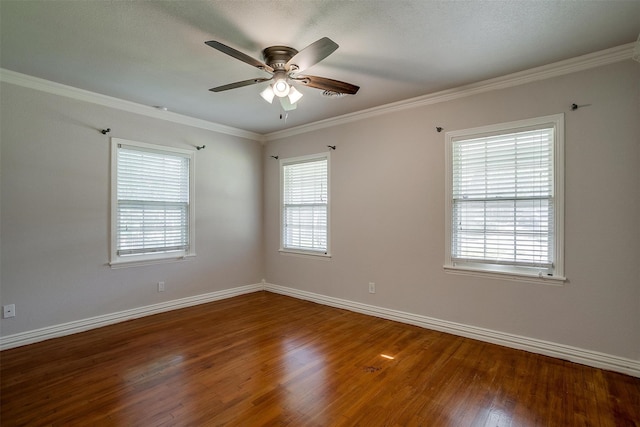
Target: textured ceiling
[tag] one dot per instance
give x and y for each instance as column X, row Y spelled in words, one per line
column 153, row 52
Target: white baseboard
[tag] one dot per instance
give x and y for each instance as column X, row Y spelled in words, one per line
column 69, row 328
column 560, row 351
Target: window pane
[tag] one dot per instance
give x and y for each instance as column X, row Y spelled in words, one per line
column 152, row 214
column 503, row 231
column 502, row 197
column 305, row 201
column 305, row 227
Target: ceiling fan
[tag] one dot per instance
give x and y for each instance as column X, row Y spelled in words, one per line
column 284, row 64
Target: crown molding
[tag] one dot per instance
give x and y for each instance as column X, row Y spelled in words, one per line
column 580, row 63
column 568, row 66
column 43, row 85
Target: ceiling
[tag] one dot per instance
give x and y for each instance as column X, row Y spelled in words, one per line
column 153, row 52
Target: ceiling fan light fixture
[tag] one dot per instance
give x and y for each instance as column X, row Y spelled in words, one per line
column 294, row 95
column 280, row 86
column 268, row 94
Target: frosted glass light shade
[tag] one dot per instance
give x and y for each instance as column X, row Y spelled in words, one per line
column 268, row 94
column 294, row 95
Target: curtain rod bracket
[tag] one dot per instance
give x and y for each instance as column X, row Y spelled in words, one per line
column 275, row 157
column 438, row 128
column 574, row 106
column 105, row 131
column 200, row 147
column 333, row 147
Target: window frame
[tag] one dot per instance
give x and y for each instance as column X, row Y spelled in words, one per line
column 297, row 160
column 132, row 260
column 512, row 272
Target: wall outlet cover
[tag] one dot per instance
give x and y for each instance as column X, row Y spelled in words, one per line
column 8, row 311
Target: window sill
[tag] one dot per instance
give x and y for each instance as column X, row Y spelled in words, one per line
column 149, row 261
column 305, row 254
column 517, row 277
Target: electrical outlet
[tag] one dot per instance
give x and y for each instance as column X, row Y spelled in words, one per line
column 372, row 288
column 8, row 311
column 160, row 286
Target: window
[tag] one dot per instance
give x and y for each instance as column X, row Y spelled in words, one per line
column 151, row 202
column 505, row 198
column 305, row 204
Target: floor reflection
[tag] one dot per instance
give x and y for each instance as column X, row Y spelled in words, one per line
column 304, row 377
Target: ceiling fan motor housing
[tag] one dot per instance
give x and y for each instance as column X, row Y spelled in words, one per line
column 277, row 56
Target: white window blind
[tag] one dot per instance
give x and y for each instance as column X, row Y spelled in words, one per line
column 503, row 199
column 305, row 204
column 153, row 201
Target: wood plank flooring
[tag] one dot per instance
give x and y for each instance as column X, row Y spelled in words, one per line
column 266, row 359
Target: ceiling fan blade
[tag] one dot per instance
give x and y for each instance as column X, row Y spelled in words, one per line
column 239, row 84
column 239, row 55
column 312, row 54
column 328, row 84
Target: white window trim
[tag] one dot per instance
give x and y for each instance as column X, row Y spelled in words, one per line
column 556, row 120
column 116, row 261
column 300, row 252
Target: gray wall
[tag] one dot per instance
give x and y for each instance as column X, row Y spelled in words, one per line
column 388, row 181
column 387, row 213
column 55, row 211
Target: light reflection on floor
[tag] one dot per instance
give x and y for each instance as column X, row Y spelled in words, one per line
column 298, row 357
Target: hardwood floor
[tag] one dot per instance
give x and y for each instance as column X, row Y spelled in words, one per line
column 267, row 359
